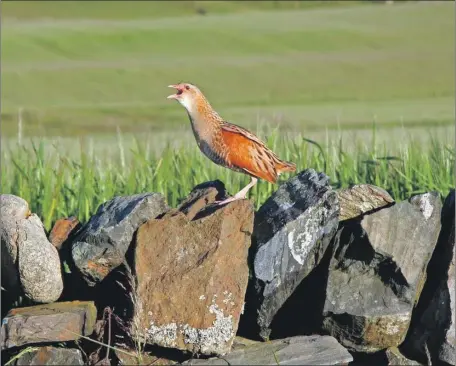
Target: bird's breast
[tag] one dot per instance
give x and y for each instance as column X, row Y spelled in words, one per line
column 209, row 141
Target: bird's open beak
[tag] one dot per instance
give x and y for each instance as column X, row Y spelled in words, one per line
column 174, row 96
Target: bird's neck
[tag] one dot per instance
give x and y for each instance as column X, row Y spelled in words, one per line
column 206, row 122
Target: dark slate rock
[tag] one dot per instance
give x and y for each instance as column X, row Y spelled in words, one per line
column 51, row 356
column 292, row 231
column 57, row 322
column 377, row 272
column 302, row 350
column 433, row 325
column 101, row 244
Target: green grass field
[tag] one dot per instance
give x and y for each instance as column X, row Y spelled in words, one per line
column 372, row 84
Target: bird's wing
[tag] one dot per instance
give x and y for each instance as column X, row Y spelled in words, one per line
column 231, row 127
column 248, row 153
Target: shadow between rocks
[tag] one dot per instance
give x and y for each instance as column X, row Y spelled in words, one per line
column 372, row 359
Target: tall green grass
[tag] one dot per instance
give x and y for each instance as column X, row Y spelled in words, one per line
column 58, row 186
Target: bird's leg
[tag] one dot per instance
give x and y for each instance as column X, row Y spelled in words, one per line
column 241, row 194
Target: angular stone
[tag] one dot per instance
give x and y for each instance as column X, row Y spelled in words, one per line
column 395, row 357
column 361, row 199
column 101, row 244
column 377, row 272
column 57, row 322
column 292, row 231
column 192, row 276
column 13, row 210
column 62, row 230
column 302, row 350
column 434, row 319
column 51, row 356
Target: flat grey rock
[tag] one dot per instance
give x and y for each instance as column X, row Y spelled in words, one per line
column 51, row 356
column 302, row 350
column 101, row 244
column 361, row 199
column 377, row 272
column 435, row 315
column 291, row 233
column 57, row 322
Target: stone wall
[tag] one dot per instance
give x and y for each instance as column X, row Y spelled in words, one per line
column 315, row 276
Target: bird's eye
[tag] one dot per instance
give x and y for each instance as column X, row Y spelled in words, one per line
column 187, row 87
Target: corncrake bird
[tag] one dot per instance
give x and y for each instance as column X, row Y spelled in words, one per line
column 227, row 144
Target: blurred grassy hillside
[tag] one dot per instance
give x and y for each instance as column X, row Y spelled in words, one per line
column 129, row 9
column 82, row 67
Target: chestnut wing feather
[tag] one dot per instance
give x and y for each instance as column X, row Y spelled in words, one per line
column 248, row 153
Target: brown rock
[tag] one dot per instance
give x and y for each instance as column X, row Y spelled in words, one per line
column 57, row 322
column 62, row 230
column 192, row 276
column 361, row 199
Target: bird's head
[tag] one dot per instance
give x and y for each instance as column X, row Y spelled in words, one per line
column 187, row 94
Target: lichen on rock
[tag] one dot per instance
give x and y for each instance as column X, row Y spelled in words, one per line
column 214, row 338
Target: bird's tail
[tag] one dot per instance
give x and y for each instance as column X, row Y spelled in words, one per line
column 285, row 166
